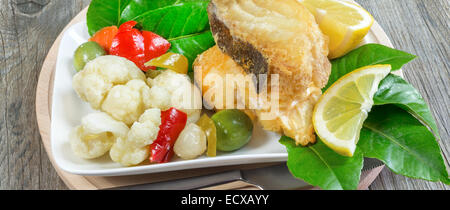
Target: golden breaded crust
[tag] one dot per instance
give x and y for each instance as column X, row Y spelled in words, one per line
column 294, row 117
column 274, row 37
column 213, row 61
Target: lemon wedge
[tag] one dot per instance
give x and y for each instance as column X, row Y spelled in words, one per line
column 345, row 23
column 341, row 111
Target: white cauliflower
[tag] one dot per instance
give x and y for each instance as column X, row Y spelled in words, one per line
column 134, row 148
column 126, row 154
column 97, row 78
column 145, row 131
column 127, row 102
column 170, row 89
column 96, row 134
column 191, row 142
column 117, row 87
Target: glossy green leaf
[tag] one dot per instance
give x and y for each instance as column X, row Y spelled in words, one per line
column 395, row 90
column 176, row 21
column 369, row 54
column 103, row 13
column 191, row 46
column 407, row 147
column 138, row 7
column 184, row 25
column 320, row 166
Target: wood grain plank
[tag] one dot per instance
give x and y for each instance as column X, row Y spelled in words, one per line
column 49, row 179
column 421, row 28
column 26, row 36
column 4, row 61
column 23, row 154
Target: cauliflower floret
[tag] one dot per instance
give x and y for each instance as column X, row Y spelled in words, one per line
column 145, row 131
column 96, row 134
column 134, row 149
column 126, row 102
column 126, row 154
column 191, row 142
column 97, row 78
column 159, row 98
column 170, row 89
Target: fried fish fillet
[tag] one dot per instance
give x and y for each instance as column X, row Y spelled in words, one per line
column 212, row 69
column 291, row 117
column 276, row 37
column 265, row 36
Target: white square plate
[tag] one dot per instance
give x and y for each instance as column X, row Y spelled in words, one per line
column 68, row 109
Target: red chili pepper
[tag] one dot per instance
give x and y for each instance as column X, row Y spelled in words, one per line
column 138, row 46
column 173, row 122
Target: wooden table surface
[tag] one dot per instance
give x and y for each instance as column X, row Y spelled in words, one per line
column 29, row 27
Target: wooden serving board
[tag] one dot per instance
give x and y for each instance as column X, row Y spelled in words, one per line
column 43, row 113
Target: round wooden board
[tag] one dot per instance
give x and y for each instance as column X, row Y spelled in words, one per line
column 43, row 113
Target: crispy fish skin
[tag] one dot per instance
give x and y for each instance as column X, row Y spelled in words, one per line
column 242, row 52
column 274, row 37
column 277, row 37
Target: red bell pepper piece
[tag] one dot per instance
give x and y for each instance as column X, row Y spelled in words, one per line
column 173, row 122
column 155, row 45
column 105, row 37
column 138, row 46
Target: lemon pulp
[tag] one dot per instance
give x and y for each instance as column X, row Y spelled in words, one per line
column 345, row 23
column 341, row 111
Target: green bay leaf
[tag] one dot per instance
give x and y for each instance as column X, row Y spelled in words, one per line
column 320, row 166
column 103, row 13
column 407, row 147
column 395, row 90
column 369, row 54
column 136, row 8
column 192, row 45
column 176, row 21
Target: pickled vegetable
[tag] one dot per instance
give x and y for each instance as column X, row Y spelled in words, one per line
column 105, row 37
column 234, row 129
column 85, row 53
column 208, row 126
column 191, row 143
column 173, row 122
column 138, row 46
column 173, row 61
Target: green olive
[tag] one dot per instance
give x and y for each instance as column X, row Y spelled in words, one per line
column 85, row 53
column 234, row 129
